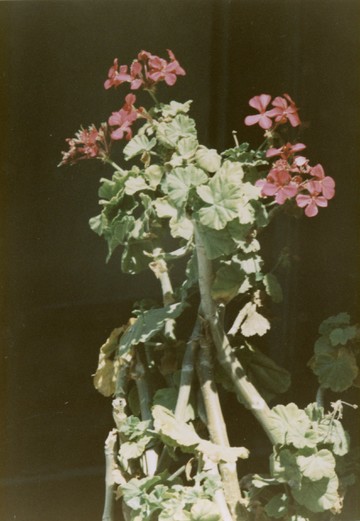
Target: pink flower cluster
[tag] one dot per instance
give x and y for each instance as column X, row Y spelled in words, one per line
column 284, row 109
column 87, row 144
column 146, row 71
column 291, row 176
column 124, row 118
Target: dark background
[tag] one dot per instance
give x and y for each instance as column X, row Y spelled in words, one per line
column 60, row 299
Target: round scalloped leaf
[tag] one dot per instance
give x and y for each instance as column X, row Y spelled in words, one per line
column 178, row 183
column 336, row 371
column 317, row 496
column 327, row 325
column 204, row 510
column 342, row 335
column 291, row 425
column 208, row 159
column 138, row 145
column 317, row 466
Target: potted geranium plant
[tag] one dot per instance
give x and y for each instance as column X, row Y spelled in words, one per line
column 173, row 200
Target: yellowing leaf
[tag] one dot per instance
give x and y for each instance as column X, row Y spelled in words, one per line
column 105, row 377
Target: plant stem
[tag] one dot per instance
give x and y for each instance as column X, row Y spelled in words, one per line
column 245, row 391
column 187, row 372
column 217, row 429
column 320, row 395
column 109, row 506
column 160, row 268
column 150, row 457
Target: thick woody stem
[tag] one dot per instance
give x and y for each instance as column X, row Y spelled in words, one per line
column 217, row 429
column 110, row 464
column 187, row 372
column 150, row 456
column 246, row 392
column 160, row 268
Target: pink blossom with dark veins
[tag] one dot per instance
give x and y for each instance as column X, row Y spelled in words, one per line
column 324, row 184
column 312, row 200
column 278, row 183
column 285, row 110
column 123, row 119
column 260, row 103
column 286, row 150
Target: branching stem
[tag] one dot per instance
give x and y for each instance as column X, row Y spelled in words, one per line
column 217, row 428
column 246, row 392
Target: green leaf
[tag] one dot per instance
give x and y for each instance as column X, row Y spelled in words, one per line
column 224, row 198
column 132, row 450
column 180, row 181
column 317, row 466
column 291, row 425
column 176, row 433
column 326, row 326
column 98, row 224
column 169, row 133
column 204, row 510
column 135, row 184
column 284, row 467
column 167, row 397
column 147, row 324
column 208, row 159
column 153, row 175
column 136, row 256
column 278, row 505
column 186, row 147
column 138, row 145
column 264, row 372
column 317, row 496
column 342, row 335
column 336, row 371
column 228, row 280
column 118, row 232
column 331, row 432
column 133, row 428
column 217, row 243
column 254, row 323
column 181, row 227
column 133, row 490
column 273, row 288
column 174, row 108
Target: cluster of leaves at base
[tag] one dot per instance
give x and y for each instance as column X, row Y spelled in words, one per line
column 155, row 498
column 303, row 477
column 336, row 354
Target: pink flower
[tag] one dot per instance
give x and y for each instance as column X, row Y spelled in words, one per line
column 161, row 70
column 260, row 103
column 312, row 200
column 286, row 150
column 123, row 119
column 87, row 144
column 117, row 76
column 324, row 184
column 285, row 110
column 278, row 183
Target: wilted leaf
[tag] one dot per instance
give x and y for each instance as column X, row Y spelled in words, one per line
column 105, row 377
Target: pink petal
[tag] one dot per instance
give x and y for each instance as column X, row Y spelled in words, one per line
column 311, row 210
column 260, row 102
column 321, row 201
column 318, row 171
column 328, row 187
column 273, row 152
column 303, row 200
column 294, row 119
column 265, row 122
column 252, row 120
column 117, row 134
